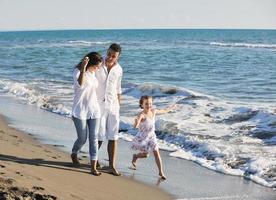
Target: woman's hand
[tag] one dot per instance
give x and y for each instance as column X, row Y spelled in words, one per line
column 84, row 64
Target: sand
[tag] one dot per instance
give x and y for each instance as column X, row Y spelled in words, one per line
column 34, row 170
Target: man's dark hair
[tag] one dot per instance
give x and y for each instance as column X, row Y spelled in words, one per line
column 115, row 47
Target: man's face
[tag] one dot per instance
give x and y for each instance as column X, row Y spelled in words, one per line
column 112, row 57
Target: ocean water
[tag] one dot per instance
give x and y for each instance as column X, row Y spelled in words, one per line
column 223, row 82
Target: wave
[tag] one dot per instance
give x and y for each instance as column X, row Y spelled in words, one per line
column 70, row 43
column 247, row 45
column 33, row 96
column 156, row 90
column 213, row 153
column 219, row 135
column 89, row 43
column 205, row 130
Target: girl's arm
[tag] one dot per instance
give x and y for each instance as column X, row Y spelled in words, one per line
column 138, row 120
column 165, row 110
column 81, row 78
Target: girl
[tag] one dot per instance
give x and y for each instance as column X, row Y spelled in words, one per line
column 86, row 111
column 146, row 138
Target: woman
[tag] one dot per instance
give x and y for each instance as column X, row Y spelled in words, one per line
column 86, row 112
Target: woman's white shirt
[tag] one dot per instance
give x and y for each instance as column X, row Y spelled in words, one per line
column 85, row 103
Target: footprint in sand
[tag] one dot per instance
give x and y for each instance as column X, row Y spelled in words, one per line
column 76, row 197
column 14, row 188
column 2, row 166
column 6, row 181
column 19, row 173
column 37, row 188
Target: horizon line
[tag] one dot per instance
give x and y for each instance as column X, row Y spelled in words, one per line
column 115, row 29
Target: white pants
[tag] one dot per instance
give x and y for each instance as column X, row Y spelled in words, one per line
column 109, row 125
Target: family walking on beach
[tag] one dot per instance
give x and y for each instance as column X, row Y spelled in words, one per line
column 95, row 112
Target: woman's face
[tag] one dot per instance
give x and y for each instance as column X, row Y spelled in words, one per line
column 93, row 68
column 147, row 104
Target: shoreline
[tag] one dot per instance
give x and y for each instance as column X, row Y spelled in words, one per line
column 185, row 179
column 28, row 167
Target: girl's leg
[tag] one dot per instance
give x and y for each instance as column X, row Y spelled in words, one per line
column 93, row 126
column 159, row 163
column 81, row 128
column 138, row 155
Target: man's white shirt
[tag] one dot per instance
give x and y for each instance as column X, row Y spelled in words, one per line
column 109, row 87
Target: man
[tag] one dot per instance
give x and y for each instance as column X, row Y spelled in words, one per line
column 109, row 94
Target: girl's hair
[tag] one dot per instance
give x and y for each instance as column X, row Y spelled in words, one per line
column 94, row 59
column 142, row 99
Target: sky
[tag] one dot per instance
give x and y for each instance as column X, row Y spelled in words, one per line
column 138, row 14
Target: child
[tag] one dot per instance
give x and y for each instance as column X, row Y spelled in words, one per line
column 146, row 138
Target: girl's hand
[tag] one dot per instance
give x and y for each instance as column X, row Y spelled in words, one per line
column 173, row 106
column 138, row 120
column 84, row 64
column 166, row 110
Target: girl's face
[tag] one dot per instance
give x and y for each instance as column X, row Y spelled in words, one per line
column 93, row 68
column 147, row 104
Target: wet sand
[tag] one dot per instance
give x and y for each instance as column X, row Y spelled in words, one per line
column 34, row 170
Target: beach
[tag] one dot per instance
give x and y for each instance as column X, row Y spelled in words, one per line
column 218, row 143
column 28, row 167
column 33, row 159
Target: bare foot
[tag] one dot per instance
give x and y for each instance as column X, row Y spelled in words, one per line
column 75, row 160
column 114, row 172
column 162, row 176
column 133, row 162
column 98, row 165
column 95, row 172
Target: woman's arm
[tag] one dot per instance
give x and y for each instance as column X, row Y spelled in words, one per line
column 81, row 78
column 138, row 120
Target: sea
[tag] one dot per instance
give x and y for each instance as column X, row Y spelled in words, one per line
column 223, row 83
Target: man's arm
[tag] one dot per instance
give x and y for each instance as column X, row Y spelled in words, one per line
column 119, row 98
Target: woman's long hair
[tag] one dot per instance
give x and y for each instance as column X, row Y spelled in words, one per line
column 94, row 59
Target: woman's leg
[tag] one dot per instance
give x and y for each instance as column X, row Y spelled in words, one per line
column 81, row 128
column 159, row 163
column 93, row 126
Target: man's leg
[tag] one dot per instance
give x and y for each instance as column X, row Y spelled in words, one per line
column 112, row 152
column 101, row 134
column 112, row 136
column 99, row 146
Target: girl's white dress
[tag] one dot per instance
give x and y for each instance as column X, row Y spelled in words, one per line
column 145, row 138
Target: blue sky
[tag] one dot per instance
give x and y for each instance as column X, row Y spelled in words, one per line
column 124, row 14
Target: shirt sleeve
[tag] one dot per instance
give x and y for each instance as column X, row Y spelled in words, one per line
column 76, row 74
column 119, row 83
